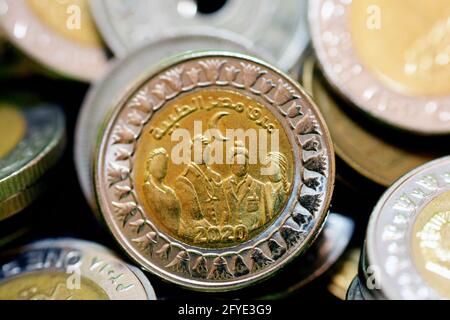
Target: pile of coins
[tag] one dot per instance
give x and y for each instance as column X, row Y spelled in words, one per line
column 205, row 147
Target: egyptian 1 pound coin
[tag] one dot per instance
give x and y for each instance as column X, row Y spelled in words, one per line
column 390, row 59
column 408, row 238
column 277, row 28
column 69, row 269
column 215, row 171
column 58, row 34
column 32, row 140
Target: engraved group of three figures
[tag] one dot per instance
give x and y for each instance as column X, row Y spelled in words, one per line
column 205, row 207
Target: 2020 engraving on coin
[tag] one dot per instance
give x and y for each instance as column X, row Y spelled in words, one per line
column 256, row 194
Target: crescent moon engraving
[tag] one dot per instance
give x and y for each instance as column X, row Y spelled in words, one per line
column 213, row 125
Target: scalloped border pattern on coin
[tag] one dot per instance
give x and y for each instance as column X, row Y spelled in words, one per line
column 328, row 21
column 390, row 229
column 230, row 268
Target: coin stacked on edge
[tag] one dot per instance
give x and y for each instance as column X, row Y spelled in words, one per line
column 32, row 141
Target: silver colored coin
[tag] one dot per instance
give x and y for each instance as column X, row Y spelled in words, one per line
column 325, row 252
column 406, row 241
column 123, row 75
column 74, row 258
column 25, row 29
column 214, row 264
column 277, row 28
column 36, row 153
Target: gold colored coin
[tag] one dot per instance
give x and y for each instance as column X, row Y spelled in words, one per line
column 12, row 128
column 405, row 43
column 50, row 285
column 431, row 244
column 362, row 150
column 214, row 170
column 70, row 18
column 237, row 200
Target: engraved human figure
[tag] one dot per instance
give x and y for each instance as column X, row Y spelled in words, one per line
column 245, row 195
column 277, row 189
column 160, row 198
column 199, row 189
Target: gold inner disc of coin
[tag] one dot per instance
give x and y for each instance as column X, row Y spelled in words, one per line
column 50, row 285
column 70, row 18
column 405, row 43
column 12, row 128
column 213, row 168
column 431, row 244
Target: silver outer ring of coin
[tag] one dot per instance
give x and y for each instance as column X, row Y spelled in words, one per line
column 390, row 230
column 37, row 152
column 298, row 225
column 325, row 252
column 87, row 257
column 277, row 27
column 124, row 74
column 328, row 21
column 26, row 31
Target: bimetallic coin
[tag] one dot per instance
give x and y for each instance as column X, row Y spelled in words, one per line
column 59, row 34
column 277, row 28
column 35, row 144
column 390, row 59
column 67, row 269
column 364, row 151
column 215, row 171
column 124, row 74
column 408, row 236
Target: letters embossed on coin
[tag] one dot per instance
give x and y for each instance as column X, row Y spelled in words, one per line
column 215, row 171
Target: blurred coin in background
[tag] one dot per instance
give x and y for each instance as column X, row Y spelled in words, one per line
column 124, row 74
column 368, row 152
column 58, row 34
column 275, row 29
column 209, row 239
column 69, row 269
column 408, row 236
column 32, row 141
column 389, row 58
